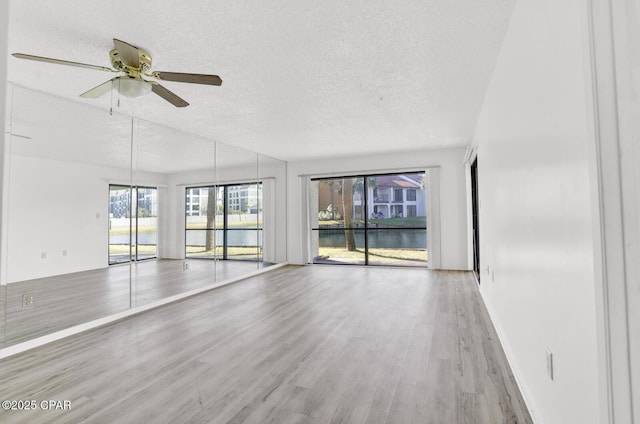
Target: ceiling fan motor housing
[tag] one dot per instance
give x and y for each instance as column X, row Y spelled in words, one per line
column 144, row 58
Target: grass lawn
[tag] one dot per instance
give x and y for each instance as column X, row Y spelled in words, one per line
column 118, row 231
column 123, row 249
column 382, row 256
column 201, row 252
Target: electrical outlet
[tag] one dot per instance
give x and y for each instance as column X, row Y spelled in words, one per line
column 27, row 301
column 550, row 364
column 185, row 266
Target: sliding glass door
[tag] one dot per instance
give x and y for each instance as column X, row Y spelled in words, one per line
column 133, row 223
column 370, row 220
column 224, row 222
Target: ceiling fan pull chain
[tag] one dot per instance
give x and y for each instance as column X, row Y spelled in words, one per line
column 111, row 104
column 118, row 103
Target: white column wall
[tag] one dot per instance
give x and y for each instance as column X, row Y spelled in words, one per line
column 4, row 55
column 616, row 63
column 534, row 134
column 626, row 22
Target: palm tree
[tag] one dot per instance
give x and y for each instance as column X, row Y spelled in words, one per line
column 347, row 188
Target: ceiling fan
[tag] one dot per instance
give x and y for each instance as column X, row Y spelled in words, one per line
column 135, row 63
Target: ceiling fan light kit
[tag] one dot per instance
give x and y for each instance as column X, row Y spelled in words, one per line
column 135, row 64
column 132, row 87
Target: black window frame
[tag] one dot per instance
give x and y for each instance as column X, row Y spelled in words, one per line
column 366, row 227
column 226, row 202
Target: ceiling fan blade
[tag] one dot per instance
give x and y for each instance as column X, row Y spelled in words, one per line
column 130, row 54
column 192, row 78
column 62, row 62
column 169, row 96
column 99, row 90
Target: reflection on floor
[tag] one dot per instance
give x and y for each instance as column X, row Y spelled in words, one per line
column 42, row 306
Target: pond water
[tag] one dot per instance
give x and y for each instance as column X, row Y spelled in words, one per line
column 384, row 239
column 247, row 237
column 250, row 237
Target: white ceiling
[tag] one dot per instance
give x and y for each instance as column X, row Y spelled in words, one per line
column 301, row 79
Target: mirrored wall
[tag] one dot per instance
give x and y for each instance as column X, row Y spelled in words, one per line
column 103, row 212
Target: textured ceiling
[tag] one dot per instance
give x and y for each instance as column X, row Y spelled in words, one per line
column 302, row 79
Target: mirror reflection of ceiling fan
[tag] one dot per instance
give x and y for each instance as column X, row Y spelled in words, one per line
column 135, row 63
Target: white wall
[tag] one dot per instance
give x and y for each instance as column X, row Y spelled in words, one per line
column 4, row 29
column 534, row 134
column 453, row 229
column 55, row 206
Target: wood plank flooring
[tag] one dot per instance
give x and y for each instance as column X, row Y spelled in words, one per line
column 70, row 299
column 315, row 344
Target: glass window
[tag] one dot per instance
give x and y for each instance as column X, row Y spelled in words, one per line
column 227, row 224
column 353, row 221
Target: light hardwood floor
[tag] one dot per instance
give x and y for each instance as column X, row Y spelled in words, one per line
column 315, row 344
column 65, row 300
